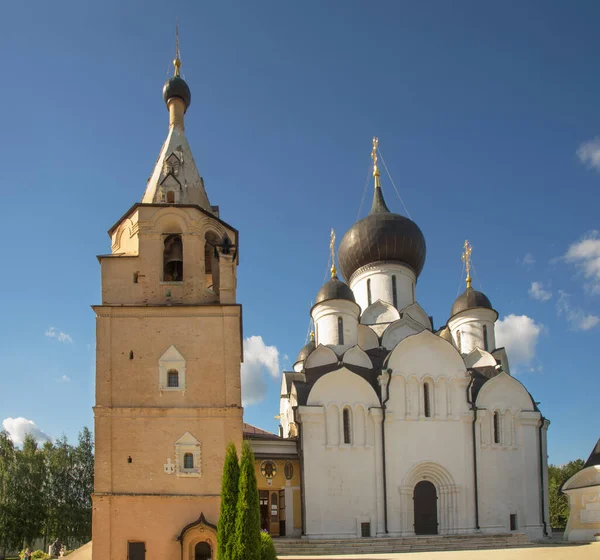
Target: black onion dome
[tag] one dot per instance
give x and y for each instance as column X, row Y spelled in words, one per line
column 306, row 351
column 335, row 289
column 470, row 299
column 177, row 87
column 381, row 236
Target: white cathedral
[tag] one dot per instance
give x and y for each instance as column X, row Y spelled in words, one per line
column 402, row 429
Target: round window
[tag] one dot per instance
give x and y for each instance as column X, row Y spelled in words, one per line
column 268, row 469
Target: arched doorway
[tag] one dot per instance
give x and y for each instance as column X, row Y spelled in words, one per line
column 425, row 504
column 202, row 551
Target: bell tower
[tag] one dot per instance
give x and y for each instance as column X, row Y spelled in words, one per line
column 168, row 354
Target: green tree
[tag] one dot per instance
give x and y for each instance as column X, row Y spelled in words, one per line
column 83, row 475
column 246, row 544
column 7, row 458
column 559, row 503
column 229, row 498
column 25, row 495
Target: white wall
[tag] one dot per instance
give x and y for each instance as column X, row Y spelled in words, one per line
column 381, row 285
column 470, row 324
column 326, row 314
column 342, row 482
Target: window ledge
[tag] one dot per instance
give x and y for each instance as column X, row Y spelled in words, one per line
column 171, row 389
column 173, row 283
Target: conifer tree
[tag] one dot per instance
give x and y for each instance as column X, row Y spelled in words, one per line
column 229, row 498
column 246, row 544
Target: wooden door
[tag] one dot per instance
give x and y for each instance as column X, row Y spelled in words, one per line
column 425, row 504
column 263, row 497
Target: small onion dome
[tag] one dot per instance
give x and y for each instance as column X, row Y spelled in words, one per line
column 470, row 299
column 306, row 351
column 381, row 236
column 176, row 87
column 335, row 289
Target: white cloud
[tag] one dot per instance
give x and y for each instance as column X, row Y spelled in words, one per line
column 589, row 153
column 258, row 360
column 577, row 318
column 65, row 379
column 519, row 334
column 527, row 261
column 585, row 254
column 59, row 335
column 538, row 292
column 18, row 428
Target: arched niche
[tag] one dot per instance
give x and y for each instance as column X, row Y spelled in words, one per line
column 199, row 531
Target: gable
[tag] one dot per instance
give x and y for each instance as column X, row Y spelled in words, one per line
column 504, row 391
column 478, row 358
column 399, row 330
column 379, row 312
column 343, row 387
column 320, row 356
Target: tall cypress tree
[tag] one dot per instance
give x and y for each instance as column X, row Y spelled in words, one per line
column 247, row 524
column 229, row 498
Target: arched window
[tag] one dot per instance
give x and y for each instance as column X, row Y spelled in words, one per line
column 172, row 378
column 173, row 259
column 458, row 341
column 369, row 291
column 497, row 433
column 485, row 338
column 211, row 262
column 340, row 330
column 347, row 430
column 170, row 197
column 426, row 401
column 188, row 461
column 394, row 292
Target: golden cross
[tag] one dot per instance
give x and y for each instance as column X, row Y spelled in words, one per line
column 177, row 61
column 374, row 158
column 332, row 249
column 466, row 257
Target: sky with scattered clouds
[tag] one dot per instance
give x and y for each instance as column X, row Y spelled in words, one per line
column 488, row 120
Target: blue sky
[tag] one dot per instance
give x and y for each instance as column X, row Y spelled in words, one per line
column 487, row 117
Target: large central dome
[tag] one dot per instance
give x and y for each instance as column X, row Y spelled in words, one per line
column 381, row 236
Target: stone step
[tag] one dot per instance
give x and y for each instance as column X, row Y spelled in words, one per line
column 288, row 548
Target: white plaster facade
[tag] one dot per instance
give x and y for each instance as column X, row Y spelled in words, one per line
column 399, row 408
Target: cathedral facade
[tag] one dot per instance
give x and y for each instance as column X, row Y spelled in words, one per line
column 169, row 348
column 403, row 429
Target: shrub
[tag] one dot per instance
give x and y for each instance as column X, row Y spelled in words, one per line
column 267, row 548
column 39, row 555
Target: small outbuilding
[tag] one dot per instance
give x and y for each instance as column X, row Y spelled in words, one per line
column 583, row 489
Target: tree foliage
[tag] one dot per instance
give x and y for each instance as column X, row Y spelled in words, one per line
column 246, row 544
column 559, row 503
column 45, row 492
column 229, row 498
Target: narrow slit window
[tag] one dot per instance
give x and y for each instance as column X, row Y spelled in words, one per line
column 513, row 521
column 426, row 401
column 497, row 434
column 394, row 292
column 173, row 378
column 369, row 291
column 458, row 341
column 347, row 434
column 485, row 338
column 131, row 354
column 170, row 197
column 136, row 276
column 188, row 461
column 340, row 330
